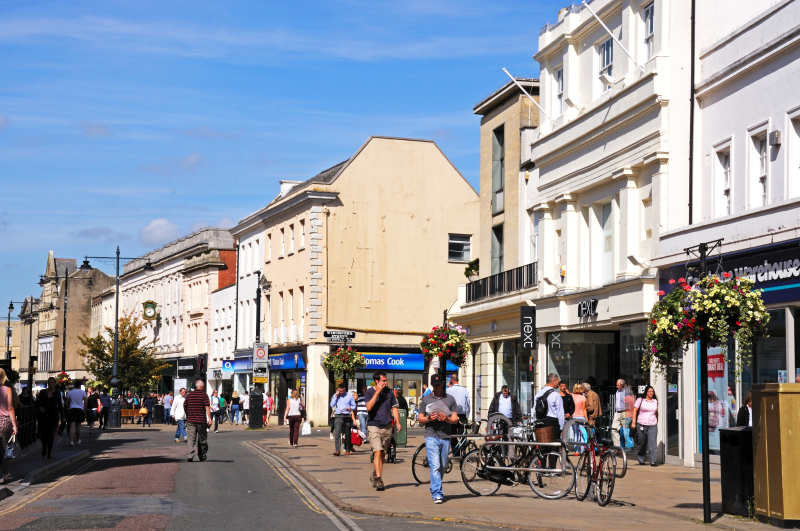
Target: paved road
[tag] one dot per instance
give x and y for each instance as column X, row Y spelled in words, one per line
column 138, row 479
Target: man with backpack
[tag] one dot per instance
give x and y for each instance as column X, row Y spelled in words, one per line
column 549, row 407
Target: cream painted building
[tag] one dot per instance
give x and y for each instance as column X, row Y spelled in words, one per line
column 376, row 244
column 103, row 312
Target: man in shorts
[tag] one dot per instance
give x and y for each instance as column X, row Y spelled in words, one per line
column 76, row 400
column 382, row 407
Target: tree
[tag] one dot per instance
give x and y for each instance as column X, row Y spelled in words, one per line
column 137, row 367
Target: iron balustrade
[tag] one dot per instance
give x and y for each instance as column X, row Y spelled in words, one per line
column 26, row 425
column 509, row 281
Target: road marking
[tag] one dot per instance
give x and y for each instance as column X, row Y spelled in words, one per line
column 337, row 517
column 22, row 503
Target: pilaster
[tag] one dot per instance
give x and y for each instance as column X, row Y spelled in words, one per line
column 629, row 209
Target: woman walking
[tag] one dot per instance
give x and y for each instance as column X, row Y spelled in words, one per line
column 645, row 418
column 179, row 414
column 294, row 416
column 580, row 414
column 50, row 411
column 148, row 404
column 235, row 408
column 92, row 400
column 215, row 408
column 268, row 404
column 745, row 416
column 8, row 421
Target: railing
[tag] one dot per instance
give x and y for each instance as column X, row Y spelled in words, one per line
column 26, row 421
column 276, row 336
column 506, row 282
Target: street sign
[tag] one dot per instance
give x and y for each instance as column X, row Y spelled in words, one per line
column 260, row 352
column 260, row 368
column 261, row 379
column 339, row 335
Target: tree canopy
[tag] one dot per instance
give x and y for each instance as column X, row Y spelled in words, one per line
column 137, row 367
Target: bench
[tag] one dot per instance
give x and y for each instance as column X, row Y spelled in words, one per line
column 129, row 413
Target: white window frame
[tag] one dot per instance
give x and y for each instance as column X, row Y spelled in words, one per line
column 302, row 233
column 648, row 16
column 605, row 50
column 451, row 240
column 283, row 242
column 291, row 238
column 559, row 79
column 535, row 220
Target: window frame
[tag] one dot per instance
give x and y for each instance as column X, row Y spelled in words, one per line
column 559, row 79
column 498, row 168
column 649, row 30
column 450, row 241
column 605, row 49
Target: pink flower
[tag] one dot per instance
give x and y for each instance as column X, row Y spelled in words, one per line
column 726, row 275
column 660, row 293
column 671, row 281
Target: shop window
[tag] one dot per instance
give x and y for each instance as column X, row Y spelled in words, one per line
column 649, row 31
column 458, row 248
column 605, row 53
column 722, row 400
column 514, row 368
column 575, row 356
column 498, row 169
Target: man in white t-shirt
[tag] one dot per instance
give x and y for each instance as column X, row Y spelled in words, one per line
column 245, row 407
column 76, row 400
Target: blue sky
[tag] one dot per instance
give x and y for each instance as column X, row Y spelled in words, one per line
column 134, row 123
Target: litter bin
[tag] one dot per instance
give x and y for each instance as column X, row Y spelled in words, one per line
column 158, row 414
column 776, row 461
column 736, row 469
column 401, row 437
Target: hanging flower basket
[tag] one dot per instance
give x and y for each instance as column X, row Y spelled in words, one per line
column 63, row 380
column 344, row 360
column 448, row 344
column 728, row 307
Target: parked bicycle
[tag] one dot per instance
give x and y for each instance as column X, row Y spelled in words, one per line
column 597, row 465
column 419, row 463
column 413, row 416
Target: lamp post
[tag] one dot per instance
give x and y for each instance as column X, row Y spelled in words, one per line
column 42, row 280
column 148, row 267
column 8, row 332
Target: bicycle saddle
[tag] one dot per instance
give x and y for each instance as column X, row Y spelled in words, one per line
column 605, row 443
column 492, row 438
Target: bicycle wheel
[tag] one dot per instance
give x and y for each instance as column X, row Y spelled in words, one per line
column 551, row 485
column 419, row 465
column 606, row 477
column 583, row 479
column 474, row 475
column 412, row 421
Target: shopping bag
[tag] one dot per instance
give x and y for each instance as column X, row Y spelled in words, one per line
column 627, row 440
column 13, row 450
column 355, row 437
column 306, row 428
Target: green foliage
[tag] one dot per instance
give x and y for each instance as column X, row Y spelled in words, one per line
column 446, row 344
column 473, row 268
column 137, row 367
column 344, row 361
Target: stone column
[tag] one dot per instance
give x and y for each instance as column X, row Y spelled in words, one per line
column 569, row 233
column 629, row 210
column 660, row 192
column 546, row 267
column 315, row 257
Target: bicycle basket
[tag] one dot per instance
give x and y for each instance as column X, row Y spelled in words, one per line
column 545, row 434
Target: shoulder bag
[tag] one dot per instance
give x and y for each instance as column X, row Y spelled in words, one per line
column 13, row 451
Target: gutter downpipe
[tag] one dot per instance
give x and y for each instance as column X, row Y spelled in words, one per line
column 236, row 337
column 691, row 119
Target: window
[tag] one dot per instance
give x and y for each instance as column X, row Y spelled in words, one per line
column 291, row 238
column 458, row 248
column 302, row 233
column 256, row 256
column 269, row 247
column 269, row 319
column 280, row 296
column 208, row 295
column 216, row 318
column 724, row 167
column 283, row 242
column 608, row 244
column 497, row 249
column 302, row 311
column 560, row 91
column 606, row 54
column 758, row 166
column 534, row 237
column 498, row 169
column 762, row 168
column 558, row 250
column 648, row 31
column 291, row 308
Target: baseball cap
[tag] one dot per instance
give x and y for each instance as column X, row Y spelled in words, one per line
column 437, row 379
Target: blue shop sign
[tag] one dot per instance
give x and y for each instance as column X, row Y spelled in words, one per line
column 238, row 365
column 288, row 360
column 399, row 362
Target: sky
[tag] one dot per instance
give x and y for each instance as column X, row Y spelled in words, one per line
column 135, row 123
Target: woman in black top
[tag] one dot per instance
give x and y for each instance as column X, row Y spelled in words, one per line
column 148, row 403
column 743, row 418
column 235, row 407
column 50, row 411
column 25, row 397
column 91, row 408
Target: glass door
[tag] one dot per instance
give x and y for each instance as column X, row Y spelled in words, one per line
column 673, row 438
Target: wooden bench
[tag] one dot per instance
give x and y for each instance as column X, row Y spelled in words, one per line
column 129, row 413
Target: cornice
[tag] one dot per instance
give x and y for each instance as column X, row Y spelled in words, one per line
column 267, row 213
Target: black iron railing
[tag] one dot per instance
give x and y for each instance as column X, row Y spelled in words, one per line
column 506, row 282
column 26, row 425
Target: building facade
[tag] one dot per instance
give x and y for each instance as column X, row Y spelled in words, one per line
column 377, row 245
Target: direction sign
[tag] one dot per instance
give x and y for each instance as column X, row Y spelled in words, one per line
column 261, row 379
column 260, row 352
column 339, row 335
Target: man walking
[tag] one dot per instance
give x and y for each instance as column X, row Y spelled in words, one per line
column 438, row 412
column 343, row 407
column 362, row 412
column 461, row 396
column 198, row 419
column 554, row 417
column 621, row 412
column 76, row 398
column 566, row 397
column 382, row 407
column 593, row 407
column 105, row 402
column 179, row 414
column 167, row 401
column 128, row 403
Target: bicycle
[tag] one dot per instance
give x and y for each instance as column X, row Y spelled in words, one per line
column 413, row 418
column 597, row 465
column 486, row 469
column 419, row 463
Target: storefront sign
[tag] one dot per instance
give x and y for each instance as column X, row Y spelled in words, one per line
column 716, row 366
column 288, row 360
column 587, row 308
column 399, row 362
column 218, row 374
column 238, row 365
column 527, row 326
column 187, row 366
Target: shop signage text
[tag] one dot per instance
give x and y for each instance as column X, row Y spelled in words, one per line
column 587, row 308
column 289, row 360
column 399, row 362
column 527, row 326
column 339, row 335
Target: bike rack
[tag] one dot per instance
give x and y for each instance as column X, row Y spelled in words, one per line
column 562, row 455
column 619, row 451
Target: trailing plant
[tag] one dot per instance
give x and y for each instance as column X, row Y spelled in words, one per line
column 344, row 360
column 473, row 268
column 725, row 306
column 63, row 380
column 446, row 343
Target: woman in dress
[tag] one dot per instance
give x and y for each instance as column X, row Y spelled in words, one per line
column 50, row 411
column 8, row 421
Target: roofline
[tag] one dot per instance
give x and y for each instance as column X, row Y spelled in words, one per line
column 269, row 211
column 502, row 93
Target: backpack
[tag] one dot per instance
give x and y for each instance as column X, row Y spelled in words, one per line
column 541, row 405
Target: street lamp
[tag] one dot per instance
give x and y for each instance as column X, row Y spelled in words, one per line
column 8, row 332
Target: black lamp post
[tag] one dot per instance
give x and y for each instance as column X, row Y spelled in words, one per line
column 8, row 332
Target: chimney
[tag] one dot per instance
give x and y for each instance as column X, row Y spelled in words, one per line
column 286, row 186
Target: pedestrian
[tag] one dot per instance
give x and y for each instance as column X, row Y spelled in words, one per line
column 147, row 405
column 105, row 404
column 215, row 409
column 621, row 411
column 137, row 406
column 645, row 422
column 223, row 405
column 198, row 421
column 8, row 421
column 49, row 410
column 382, row 407
column 745, row 415
column 438, row 412
column 25, row 398
column 425, row 390
column 76, row 398
column 402, row 403
column 294, row 416
column 343, row 407
column 179, row 414
column 566, row 397
column 128, row 403
column 245, row 407
column 362, row 412
column 593, row 408
column 507, row 404
column 554, row 404
column 579, row 414
column 268, row 404
column 167, row 401
column 92, row 399
column 461, row 395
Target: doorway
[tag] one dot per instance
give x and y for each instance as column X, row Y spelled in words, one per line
column 673, row 441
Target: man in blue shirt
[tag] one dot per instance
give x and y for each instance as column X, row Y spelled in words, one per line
column 343, row 407
column 461, row 396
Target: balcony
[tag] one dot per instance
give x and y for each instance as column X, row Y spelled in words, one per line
column 506, row 282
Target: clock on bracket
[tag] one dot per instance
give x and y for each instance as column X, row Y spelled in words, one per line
column 149, row 312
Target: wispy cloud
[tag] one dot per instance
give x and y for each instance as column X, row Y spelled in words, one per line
column 224, row 223
column 206, row 132
column 4, row 121
column 104, row 234
column 168, row 167
column 158, row 232
column 93, row 129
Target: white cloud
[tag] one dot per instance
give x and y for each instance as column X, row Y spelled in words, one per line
column 158, row 232
column 105, row 234
column 94, row 129
column 192, row 161
column 226, row 223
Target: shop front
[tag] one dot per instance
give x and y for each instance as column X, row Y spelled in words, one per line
column 287, row 372
column 181, row 372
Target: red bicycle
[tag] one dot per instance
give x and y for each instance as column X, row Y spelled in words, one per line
column 597, row 466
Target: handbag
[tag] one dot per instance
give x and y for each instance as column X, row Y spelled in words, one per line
column 355, row 437
column 143, row 411
column 13, row 450
column 302, row 411
column 626, row 437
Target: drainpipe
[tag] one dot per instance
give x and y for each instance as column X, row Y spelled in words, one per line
column 691, row 121
column 236, row 337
